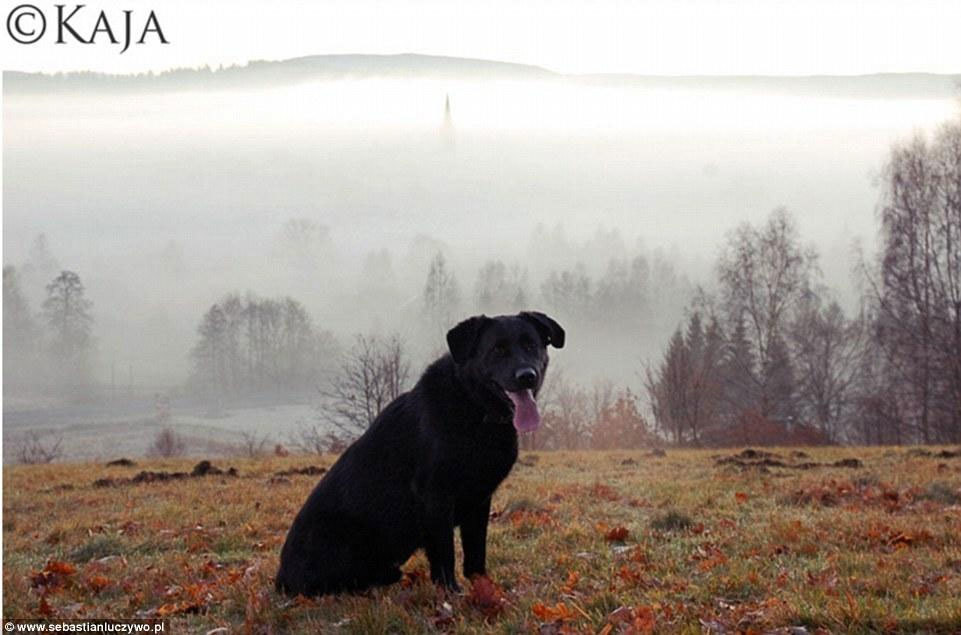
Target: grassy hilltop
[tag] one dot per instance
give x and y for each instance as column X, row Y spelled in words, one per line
column 592, row 542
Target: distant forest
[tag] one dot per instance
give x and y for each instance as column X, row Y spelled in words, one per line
column 266, row 73
column 765, row 352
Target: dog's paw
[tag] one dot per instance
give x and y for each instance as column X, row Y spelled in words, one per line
column 448, row 584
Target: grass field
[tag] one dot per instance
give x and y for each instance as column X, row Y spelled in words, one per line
column 591, row 542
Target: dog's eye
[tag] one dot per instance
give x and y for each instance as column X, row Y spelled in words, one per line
column 528, row 346
column 501, row 350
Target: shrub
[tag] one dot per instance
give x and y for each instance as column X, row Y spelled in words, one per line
column 167, row 443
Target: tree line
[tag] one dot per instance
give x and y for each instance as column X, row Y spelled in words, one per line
column 770, row 355
column 248, row 345
column 764, row 353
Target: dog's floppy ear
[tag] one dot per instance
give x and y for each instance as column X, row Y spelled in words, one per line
column 462, row 339
column 550, row 331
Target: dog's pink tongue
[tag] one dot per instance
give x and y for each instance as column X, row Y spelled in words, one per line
column 526, row 417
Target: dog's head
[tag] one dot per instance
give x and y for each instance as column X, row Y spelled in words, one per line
column 503, row 360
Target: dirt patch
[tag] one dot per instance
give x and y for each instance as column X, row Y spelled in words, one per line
column 310, row 470
column 834, row 493
column 204, row 468
column 851, row 463
column 750, row 459
column 760, row 460
column 124, row 462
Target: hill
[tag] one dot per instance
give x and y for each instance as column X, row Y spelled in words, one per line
column 267, row 74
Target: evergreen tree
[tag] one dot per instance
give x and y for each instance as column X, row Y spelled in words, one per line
column 67, row 313
column 738, row 375
column 669, row 388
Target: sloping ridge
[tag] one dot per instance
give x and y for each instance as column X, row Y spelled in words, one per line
column 265, row 74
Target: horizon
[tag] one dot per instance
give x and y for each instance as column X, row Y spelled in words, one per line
column 239, row 65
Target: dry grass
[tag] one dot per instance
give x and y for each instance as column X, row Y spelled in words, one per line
column 580, row 542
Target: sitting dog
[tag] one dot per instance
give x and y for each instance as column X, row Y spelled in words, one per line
column 430, row 462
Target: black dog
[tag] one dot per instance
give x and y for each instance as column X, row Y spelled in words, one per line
column 429, row 462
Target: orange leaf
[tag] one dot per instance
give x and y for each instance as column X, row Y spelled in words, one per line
column 617, row 534
column 630, row 575
column 413, row 577
column 63, row 568
column 740, row 497
column 643, row 619
column 560, row 612
column 486, row 596
column 98, row 583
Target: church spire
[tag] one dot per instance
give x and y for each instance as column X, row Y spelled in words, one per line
column 447, row 131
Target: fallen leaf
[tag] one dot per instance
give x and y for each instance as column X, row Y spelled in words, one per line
column 486, row 596
column 560, row 612
column 63, row 568
column 98, row 583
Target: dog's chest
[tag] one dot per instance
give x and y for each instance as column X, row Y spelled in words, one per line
column 485, row 460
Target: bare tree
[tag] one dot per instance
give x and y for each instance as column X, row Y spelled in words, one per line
column 566, row 414
column 167, row 444
column 441, row 294
column 252, row 444
column 918, row 293
column 374, row 372
column 827, row 352
column 315, row 438
column 764, row 274
column 35, row 447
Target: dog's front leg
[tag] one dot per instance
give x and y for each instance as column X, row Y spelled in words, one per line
column 473, row 534
column 440, row 541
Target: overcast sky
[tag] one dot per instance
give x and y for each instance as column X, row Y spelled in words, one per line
column 571, row 36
